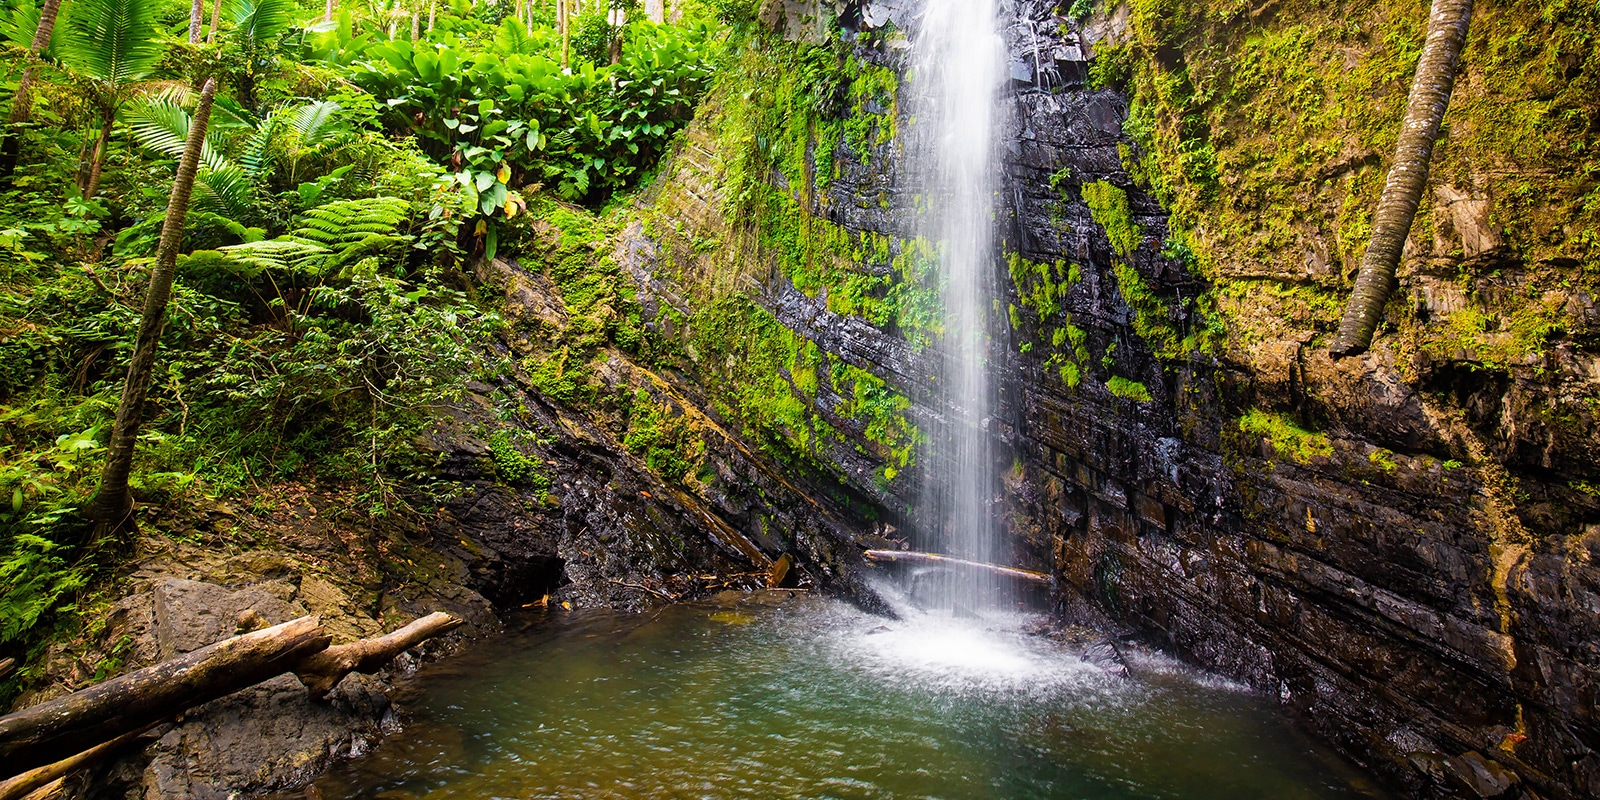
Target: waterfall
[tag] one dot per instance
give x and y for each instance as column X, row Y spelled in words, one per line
column 957, row 74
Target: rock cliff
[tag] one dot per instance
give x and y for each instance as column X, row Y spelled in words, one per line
column 1400, row 547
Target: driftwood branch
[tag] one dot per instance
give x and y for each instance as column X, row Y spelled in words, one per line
column 915, row 557
column 321, row 671
column 58, row 729
column 24, row 785
column 53, row 733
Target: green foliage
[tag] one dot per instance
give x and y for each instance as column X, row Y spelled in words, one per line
column 512, row 465
column 668, row 443
column 111, row 42
column 1127, row 389
column 33, row 578
column 1109, row 207
column 1297, row 115
column 513, row 117
column 1289, row 441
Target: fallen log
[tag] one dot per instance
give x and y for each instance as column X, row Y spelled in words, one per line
column 57, row 730
column 916, row 557
column 49, row 732
column 54, row 790
column 25, row 784
column 321, row 671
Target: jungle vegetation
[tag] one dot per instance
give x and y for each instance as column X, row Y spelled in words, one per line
column 354, row 158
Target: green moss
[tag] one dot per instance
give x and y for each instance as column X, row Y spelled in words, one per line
column 1269, row 139
column 666, row 442
column 1289, row 440
column 881, row 410
column 1127, row 389
column 1109, row 207
column 1383, row 460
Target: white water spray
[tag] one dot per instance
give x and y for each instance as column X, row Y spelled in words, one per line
column 956, row 79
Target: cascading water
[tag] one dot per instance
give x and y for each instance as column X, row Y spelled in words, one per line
column 954, row 91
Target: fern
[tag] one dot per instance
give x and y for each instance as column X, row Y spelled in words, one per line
column 328, row 237
column 345, row 223
column 282, row 254
column 34, row 578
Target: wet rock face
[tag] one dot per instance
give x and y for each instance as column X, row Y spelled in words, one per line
column 1413, row 612
column 1418, row 580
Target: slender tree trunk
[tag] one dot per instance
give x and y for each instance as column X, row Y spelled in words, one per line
column 197, row 14
column 433, row 6
column 327, row 11
column 216, row 19
column 564, row 22
column 618, row 20
column 97, row 159
column 1408, row 176
column 22, row 101
column 415, row 22
column 112, row 504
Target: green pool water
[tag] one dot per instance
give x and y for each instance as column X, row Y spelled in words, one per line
column 772, row 696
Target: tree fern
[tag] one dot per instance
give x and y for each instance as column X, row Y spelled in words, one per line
column 344, row 223
column 327, row 238
column 283, row 254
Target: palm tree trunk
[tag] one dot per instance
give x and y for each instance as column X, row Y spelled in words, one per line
column 216, row 18
column 197, row 14
column 1408, row 176
column 97, row 159
column 112, row 504
column 564, row 22
column 22, row 101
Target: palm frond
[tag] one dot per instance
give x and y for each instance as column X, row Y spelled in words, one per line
column 228, row 191
column 256, row 157
column 18, row 24
column 315, row 122
column 114, row 41
column 257, row 22
column 161, row 124
column 229, row 113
